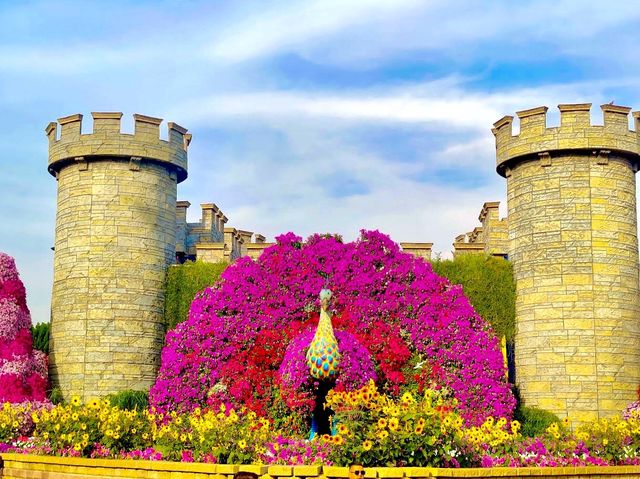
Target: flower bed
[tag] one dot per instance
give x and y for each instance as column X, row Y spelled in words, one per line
column 373, row 429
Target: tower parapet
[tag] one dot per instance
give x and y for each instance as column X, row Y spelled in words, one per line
column 571, row 196
column 115, row 237
column 574, row 133
column 107, row 141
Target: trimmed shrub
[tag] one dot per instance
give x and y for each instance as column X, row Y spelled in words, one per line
column 184, row 281
column 40, row 333
column 489, row 285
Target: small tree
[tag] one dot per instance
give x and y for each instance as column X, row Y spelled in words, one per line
column 23, row 370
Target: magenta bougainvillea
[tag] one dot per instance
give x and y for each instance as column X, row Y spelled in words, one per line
column 396, row 322
column 23, row 371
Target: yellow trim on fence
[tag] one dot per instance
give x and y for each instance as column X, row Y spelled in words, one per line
column 23, row 466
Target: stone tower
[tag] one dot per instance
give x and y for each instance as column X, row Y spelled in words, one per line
column 115, row 237
column 571, row 196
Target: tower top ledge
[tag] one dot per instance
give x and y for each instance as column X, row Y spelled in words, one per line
column 574, row 133
column 108, row 141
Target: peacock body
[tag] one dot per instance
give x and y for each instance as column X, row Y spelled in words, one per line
column 323, row 356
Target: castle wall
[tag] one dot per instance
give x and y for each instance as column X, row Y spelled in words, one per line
column 574, row 247
column 115, row 237
column 494, row 233
column 420, row 250
column 491, row 238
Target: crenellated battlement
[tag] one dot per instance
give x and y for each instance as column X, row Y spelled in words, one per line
column 108, row 140
column 574, row 133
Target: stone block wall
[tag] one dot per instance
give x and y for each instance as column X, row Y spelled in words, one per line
column 574, row 247
column 114, row 239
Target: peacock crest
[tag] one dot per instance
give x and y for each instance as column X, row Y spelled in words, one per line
column 323, row 356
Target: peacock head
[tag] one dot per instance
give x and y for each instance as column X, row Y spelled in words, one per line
column 325, row 298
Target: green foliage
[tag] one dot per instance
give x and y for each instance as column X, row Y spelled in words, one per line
column 130, row 400
column 55, row 396
column 534, row 421
column 489, row 284
column 183, row 282
column 40, row 333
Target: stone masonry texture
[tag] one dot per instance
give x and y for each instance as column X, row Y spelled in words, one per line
column 573, row 242
column 114, row 239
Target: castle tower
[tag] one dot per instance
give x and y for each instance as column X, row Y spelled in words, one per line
column 115, row 237
column 573, row 242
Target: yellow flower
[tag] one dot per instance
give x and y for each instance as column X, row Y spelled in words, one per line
column 605, row 441
column 383, row 434
column 76, row 401
column 75, row 416
column 242, row 444
column 393, row 424
column 94, row 403
column 326, row 437
column 367, row 445
column 419, row 429
column 382, row 423
column 515, row 426
column 183, row 437
column 342, row 429
column 338, row 440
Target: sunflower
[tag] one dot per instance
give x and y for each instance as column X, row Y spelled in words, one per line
column 367, row 445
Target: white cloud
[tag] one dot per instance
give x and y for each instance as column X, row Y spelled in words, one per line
column 300, row 23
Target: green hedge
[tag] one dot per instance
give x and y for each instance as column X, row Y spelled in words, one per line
column 183, row 282
column 40, row 333
column 489, row 284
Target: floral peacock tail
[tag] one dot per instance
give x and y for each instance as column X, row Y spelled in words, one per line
column 323, row 356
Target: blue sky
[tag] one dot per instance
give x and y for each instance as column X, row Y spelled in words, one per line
column 307, row 116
